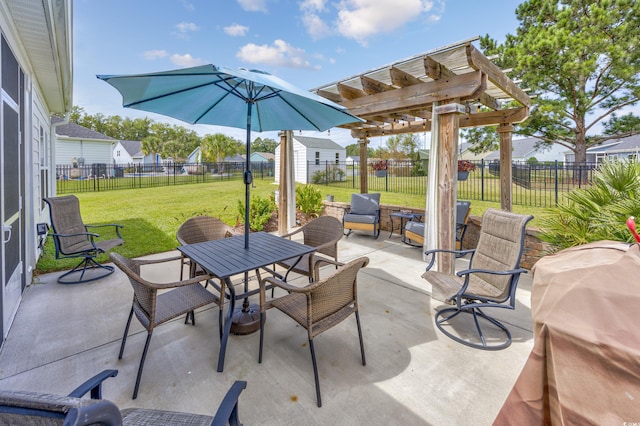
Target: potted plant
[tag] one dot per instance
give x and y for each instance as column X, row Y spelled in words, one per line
column 379, row 168
column 464, row 167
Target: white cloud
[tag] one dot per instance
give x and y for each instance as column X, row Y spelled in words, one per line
column 253, row 5
column 184, row 27
column 236, row 30
column 188, row 5
column 280, row 54
column 186, row 60
column 155, row 54
column 312, row 5
column 315, row 26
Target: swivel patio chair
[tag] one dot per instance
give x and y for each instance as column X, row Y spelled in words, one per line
column 157, row 303
column 322, row 233
column 489, row 282
column 73, row 239
column 318, row 306
column 414, row 230
column 363, row 214
column 35, row 408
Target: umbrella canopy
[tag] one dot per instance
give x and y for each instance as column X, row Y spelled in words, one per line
column 240, row 98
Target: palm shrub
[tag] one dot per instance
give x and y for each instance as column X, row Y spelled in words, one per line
column 309, row 199
column 598, row 212
column 260, row 211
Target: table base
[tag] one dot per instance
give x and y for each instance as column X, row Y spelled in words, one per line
column 245, row 320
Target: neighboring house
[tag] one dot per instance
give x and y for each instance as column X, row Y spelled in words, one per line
column 36, row 70
column 130, row 152
column 525, row 149
column 312, row 155
column 465, row 154
column 352, row 160
column 196, row 157
column 262, row 157
column 627, row 148
column 77, row 144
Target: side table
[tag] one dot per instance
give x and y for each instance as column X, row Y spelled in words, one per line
column 403, row 217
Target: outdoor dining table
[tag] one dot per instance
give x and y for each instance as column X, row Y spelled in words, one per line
column 583, row 368
column 228, row 257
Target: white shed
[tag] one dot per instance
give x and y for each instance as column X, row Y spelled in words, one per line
column 312, row 156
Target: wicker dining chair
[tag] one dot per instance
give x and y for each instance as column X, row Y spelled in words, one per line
column 490, row 280
column 199, row 229
column 36, row 408
column 156, row 303
column 74, row 239
column 323, row 233
column 318, row 306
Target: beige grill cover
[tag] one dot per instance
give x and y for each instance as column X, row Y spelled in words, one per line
column 584, row 367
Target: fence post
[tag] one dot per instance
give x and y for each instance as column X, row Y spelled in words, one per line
column 482, row 179
column 556, row 180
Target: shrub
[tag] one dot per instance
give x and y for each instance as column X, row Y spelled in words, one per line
column 331, row 174
column 309, row 199
column 260, row 211
column 598, row 212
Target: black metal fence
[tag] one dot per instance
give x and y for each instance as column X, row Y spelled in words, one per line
column 539, row 185
column 107, row 177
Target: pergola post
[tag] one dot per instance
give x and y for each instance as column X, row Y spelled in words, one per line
column 505, row 131
column 287, row 186
column 446, row 193
column 364, row 178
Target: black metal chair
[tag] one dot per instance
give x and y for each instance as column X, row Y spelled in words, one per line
column 73, row 239
column 489, row 282
column 33, row 408
column 363, row 214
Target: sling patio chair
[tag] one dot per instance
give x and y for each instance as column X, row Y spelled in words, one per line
column 323, row 233
column 42, row 409
column 318, row 306
column 363, row 214
column 74, row 239
column 157, row 303
column 489, row 282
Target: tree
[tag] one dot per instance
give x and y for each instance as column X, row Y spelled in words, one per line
column 621, row 126
column 219, row 146
column 264, row 145
column 581, row 59
column 400, row 147
column 152, row 145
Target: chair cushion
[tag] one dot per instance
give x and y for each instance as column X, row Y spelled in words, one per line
column 360, row 218
column 415, row 227
column 366, row 204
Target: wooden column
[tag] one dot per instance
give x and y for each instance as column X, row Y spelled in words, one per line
column 448, row 129
column 283, row 189
column 505, row 131
column 364, row 177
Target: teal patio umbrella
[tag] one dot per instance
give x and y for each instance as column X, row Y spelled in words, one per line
column 240, row 98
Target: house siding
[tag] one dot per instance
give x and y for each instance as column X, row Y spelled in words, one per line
column 91, row 151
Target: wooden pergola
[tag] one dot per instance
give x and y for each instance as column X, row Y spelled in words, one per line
column 440, row 91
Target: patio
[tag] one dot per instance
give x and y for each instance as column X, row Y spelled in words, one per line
column 62, row 335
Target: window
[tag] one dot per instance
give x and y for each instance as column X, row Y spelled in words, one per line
column 337, row 158
column 317, row 158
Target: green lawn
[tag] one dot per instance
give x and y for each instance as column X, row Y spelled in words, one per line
column 151, row 216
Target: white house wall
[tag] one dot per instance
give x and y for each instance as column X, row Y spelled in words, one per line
column 91, row 151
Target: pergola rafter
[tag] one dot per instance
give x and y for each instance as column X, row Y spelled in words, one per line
column 440, row 91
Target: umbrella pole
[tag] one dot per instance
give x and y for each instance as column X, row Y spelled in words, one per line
column 246, row 318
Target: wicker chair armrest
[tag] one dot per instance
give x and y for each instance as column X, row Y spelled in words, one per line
column 93, row 385
column 319, row 260
column 154, row 261
column 282, row 284
column 190, row 281
column 228, row 409
column 297, row 231
column 433, row 252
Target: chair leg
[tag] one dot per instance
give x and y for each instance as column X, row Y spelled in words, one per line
column 144, row 355
column 364, row 361
column 262, row 318
column 86, row 264
column 442, row 317
column 126, row 331
column 315, row 372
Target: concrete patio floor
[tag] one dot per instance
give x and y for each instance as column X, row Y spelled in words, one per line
column 414, row 375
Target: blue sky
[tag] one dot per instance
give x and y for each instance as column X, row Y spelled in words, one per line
column 306, row 42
